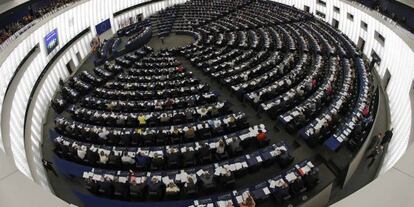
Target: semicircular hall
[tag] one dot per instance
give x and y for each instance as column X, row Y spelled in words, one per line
column 206, row 103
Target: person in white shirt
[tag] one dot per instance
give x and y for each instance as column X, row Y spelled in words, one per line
column 256, row 98
column 220, row 147
column 103, row 134
column 81, row 152
column 103, row 158
column 172, row 188
column 203, row 112
column 126, row 159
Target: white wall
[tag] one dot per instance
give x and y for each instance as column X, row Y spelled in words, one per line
column 41, row 103
column 396, row 54
column 69, row 22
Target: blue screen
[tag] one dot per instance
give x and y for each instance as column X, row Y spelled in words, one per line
column 103, row 26
column 51, row 41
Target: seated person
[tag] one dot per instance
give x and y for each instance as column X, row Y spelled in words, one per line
column 235, row 145
column 173, row 156
column 207, row 180
column 114, row 159
column 155, row 187
column 91, row 184
column 175, row 135
column 220, row 147
column 202, row 112
column 103, row 134
column 248, row 201
column 188, row 157
column 261, row 138
column 157, row 161
column 81, row 151
column 189, row 133
column 281, row 190
column 168, row 104
column 106, row 186
column 126, row 159
column 189, row 186
column 103, row 158
column 172, row 189
column 137, row 190
column 141, row 160
column 283, row 156
column 121, row 188
column 164, row 118
column 92, row 156
column 204, row 152
column 157, row 105
column 311, row 178
column 230, row 121
column 225, row 175
column 214, row 111
column 142, row 120
column 296, row 186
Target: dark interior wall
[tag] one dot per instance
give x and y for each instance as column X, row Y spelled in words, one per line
column 396, row 10
column 17, row 13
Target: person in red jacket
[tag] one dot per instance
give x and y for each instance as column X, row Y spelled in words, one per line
column 314, row 83
column 179, row 69
column 261, row 136
column 329, row 90
column 365, row 111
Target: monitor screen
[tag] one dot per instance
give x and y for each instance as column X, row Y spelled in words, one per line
column 103, row 27
column 51, row 41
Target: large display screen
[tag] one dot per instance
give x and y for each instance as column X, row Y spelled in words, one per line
column 51, row 41
column 103, row 26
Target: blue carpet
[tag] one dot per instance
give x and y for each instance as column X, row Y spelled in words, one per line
column 70, row 169
column 94, row 201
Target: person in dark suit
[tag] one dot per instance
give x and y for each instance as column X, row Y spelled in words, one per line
column 311, row 178
column 235, row 145
column 173, row 156
column 122, row 189
column 281, row 191
column 296, row 186
column 172, row 190
column 91, row 185
column 107, row 187
column 204, row 152
column 387, row 137
column 284, row 158
column 226, row 177
column 157, row 162
column 188, row 157
column 207, row 180
column 137, row 190
column 92, row 156
column 155, row 187
column 114, row 159
column 141, row 160
column 190, row 187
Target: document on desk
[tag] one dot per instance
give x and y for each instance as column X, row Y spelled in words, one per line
column 238, row 166
column 266, row 191
column 290, row 177
column 200, row 172
column 239, row 199
column 166, row 180
column 232, row 167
